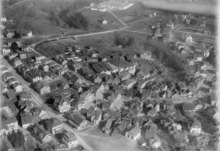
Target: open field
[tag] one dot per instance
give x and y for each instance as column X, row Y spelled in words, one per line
column 51, row 49
column 94, row 18
column 101, row 142
column 134, row 13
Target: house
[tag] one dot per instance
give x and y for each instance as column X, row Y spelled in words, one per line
column 45, row 68
column 26, row 120
column 123, row 126
column 10, row 94
column 196, row 128
column 134, row 133
column 96, row 116
column 181, row 138
column 52, row 125
column 62, row 71
column 11, row 56
column 29, row 34
column 176, row 126
column 147, row 55
column 17, row 87
column 59, row 83
column 38, row 58
column 8, row 109
column 189, row 39
column 8, row 125
column 124, row 75
column 5, row 51
column 47, row 138
column 4, row 69
column 56, row 126
column 12, row 81
column 77, row 120
column 62, row 104
column 69, row 139
column 39, row 113
column 22, row 55
column 155, row 143
column 6, row 76
column 108, row 126
column 10, row 35
column 33, row 75
column 151, row 130
column 188, row 108
column 42, row 88
column 46, row 76
column 25, row 96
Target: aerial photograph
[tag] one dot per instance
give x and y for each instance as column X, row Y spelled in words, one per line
column 109, row 75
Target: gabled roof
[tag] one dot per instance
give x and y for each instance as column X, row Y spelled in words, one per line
column 109, row 123
column 197, row 124
column 26, row 119
column 106, row 105
column 77, row 118
column 9, row 121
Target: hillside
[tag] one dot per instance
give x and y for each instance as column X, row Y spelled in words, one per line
column 42, row 16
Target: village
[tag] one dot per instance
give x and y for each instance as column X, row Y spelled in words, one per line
column 131, row 94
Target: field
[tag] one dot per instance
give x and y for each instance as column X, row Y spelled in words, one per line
column 51, row 49
column 95, row 16
column 134, row 13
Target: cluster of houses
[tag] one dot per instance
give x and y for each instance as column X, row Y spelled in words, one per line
column 50, row 131
column 110, row 5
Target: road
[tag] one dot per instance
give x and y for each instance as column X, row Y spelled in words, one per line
column 117, row 18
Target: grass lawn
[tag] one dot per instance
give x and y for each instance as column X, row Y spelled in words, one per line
column 51, row 49
column 134, row 13
column 95, row 16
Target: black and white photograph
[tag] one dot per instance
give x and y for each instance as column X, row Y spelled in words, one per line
column 109, row 75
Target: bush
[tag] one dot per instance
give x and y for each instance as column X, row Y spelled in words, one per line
column 124, row 41
column 75, row 20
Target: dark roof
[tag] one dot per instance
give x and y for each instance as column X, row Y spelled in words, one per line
column 26, row 118
column 76, row 117
column 188, row 106
column 106, row 105
column 116, row 61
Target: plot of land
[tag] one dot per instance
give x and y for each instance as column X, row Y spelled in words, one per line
column 134, row 13
column 51, row 49
column 94, row 18
column 101, row 142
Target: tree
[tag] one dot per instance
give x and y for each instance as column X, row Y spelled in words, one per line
column 14, row 46
column 17, row 139
column 17, row 35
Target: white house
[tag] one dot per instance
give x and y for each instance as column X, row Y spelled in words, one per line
column 189, row 39
column 5, row 51
column 196, row 128
column 17, row 87
column 177, row 126
column 57, row 126
column 10, row 35
column 155, row 143
column 134, row 133
column 4, row 19
column 29, row 34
